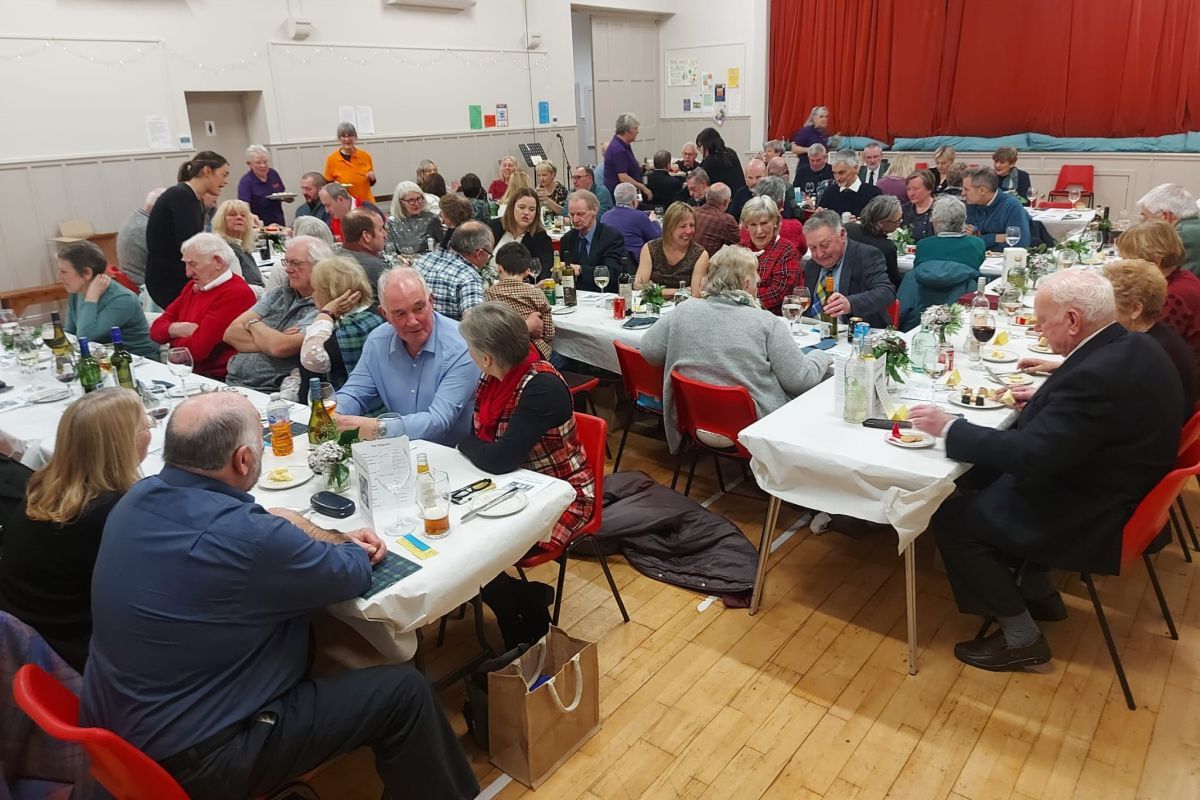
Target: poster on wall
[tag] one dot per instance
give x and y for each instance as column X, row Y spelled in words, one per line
column 364, row 120
column 158, row 132
column 475, row 113
column 682, row 71
column 502, row 115
column 687, row 104
column 346, row 114
column 734, row 78
column 543, row 112
column 719, row 93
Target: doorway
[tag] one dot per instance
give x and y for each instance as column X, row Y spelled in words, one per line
column 226, row 123
column 585, row 110
column 625, row 76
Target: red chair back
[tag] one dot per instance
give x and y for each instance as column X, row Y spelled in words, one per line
column 1053, row 204
column 593, row 433
column 637, row 374
column 1082, row 175
column 1152, row 513
column 1190, row 434
column 126, row 772
column 723, row 410
column 893, row 313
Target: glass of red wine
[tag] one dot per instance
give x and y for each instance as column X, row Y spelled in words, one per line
column 983, row 327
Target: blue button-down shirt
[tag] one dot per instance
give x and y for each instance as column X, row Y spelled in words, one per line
column 433, row 393
column 200, row 604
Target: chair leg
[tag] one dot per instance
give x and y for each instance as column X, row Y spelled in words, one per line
column 687, row 489
column 683, row 448
column 612, row 584
column 1158, row 592
column 591, row 404
column 521, row 572
column 480, row 632
column 720, row 477
column 558, row 592
column 1187, row 553
column 624, row 437
column 1187, row 520
column 1108, row 640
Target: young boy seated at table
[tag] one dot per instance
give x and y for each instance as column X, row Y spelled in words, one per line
column 515, row 263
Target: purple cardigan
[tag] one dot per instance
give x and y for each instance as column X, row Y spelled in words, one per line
column 254, row 192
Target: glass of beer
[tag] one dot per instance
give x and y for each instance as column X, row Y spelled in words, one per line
column 434, row 501
column 328, row 397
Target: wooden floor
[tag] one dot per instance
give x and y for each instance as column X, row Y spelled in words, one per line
column 811, row 697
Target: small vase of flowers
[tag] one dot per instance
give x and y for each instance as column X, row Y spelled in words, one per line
column 652, row 298
column 890, row 346
column 944, row 320
column 331, row 460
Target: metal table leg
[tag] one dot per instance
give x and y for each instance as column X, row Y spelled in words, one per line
column 764, row 551
column 910, row 596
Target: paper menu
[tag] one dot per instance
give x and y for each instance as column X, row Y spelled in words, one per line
column 386, row 478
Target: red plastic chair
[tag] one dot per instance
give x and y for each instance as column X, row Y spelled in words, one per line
column 593, row 433
column 1081, row 175
column 126, row 772
column 1188, row 437
column 641, row 379
column 721, row 410
column 1144, row 527
column 893, row 313
column 1049, row 204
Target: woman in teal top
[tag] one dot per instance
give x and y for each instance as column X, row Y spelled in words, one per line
column 96, row 303
column 950, row 243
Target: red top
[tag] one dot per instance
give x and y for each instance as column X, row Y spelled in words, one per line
column 1181, row 311
column 497, row 188
column 778, row 274
column 790, row 230
column 212, row 311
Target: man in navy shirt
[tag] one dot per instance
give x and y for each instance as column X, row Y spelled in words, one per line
column 200, row 603
column 990, row 212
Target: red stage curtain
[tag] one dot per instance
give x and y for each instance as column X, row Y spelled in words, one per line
column 889, row 68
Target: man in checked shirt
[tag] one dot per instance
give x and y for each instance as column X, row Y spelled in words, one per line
column 514, row 263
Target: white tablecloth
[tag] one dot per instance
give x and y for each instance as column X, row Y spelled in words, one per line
column 806, row 454
column 473, row 553
column 992, row 266
column 1063, row 223
column 587, row 334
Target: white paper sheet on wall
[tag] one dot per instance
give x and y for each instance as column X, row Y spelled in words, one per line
column 365, row 120
column 733, row 100
column 682, row 71
column 158, row 132
column 346, row 114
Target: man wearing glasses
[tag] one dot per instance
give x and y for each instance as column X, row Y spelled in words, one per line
column 269, row 335
column 455, row 276
column 585, row 178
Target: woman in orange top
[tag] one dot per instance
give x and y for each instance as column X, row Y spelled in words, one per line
column 351, row 166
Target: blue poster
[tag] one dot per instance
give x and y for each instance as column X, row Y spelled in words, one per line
column 543, row 112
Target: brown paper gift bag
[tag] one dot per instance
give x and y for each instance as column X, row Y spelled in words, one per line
column 531, row 733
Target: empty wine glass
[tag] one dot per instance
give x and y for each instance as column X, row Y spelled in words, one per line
column 1032, row 196
column 179, row 361
column 1012, row 235
column 792, row 310
column 1074, row 192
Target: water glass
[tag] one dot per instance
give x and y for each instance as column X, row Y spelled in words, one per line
column 179, row 361
column 1074, row 192
column 1012, row 235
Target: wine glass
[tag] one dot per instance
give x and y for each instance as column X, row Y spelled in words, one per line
column 179, row 361
column 328, row 397
column 792, row 309
column 809, row 188
column 1074, row 192
column 8, row 329
column 983, row 327
column 600, row 277
column 1012, row 235
column 64, row 372
column 805, row 299
column 1032, row 196
column 28, row 347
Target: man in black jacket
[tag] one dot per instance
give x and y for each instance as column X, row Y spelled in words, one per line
column 861, row 284
column 591, row 243
column 1057, row 488
column 665, row 187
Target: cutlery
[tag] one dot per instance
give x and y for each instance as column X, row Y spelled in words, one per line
column 494, row 501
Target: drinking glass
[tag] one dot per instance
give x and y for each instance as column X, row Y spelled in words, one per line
column 28, row 349
column 1012, row 235
column 1032, row 196
column 64, row 371
column 1074, row 192
column 809, row 188
column 792, row 309
column 1010, row 302
column 8, row 329
column 600, row 277
column 329, row 397
column 179, row 361
column 805, row 299
column 434, row 503
column 983, row 328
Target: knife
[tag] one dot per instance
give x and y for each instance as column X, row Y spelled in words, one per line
column 494, row 501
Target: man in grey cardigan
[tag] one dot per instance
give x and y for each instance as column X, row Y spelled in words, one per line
column 131, row 240
column 728, row 339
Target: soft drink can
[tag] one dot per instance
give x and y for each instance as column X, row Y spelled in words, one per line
column 618, row 307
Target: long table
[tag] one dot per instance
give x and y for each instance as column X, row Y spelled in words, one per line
column 473, row 553
column 587, row 333
column 806, row 454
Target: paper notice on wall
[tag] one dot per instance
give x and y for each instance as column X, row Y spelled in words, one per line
column 687, row 104
column 158, row 132
column 734, row 78
column 682, row 71
column 489, row 120
column 501, row 115
column 346, row 114
column 475, row 113
column 733, row 100
column 719, row 93
column 706, row 81
column 543, row 112
column 707, row 104
column 697, row 101
column 364, row 120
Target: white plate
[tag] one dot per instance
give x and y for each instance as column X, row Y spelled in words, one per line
column 51, row 394
column 1037, row 348
column 300, row 474
column 558, row 311
column 988, row 403
column 926, row 440
column 506, row 508
column 282, row 196
column 1007, row 357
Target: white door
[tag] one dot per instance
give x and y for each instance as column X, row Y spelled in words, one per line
column 625, row 77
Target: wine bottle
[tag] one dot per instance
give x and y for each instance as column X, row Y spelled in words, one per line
column 825, row 317
column 321, row 427
column 568, row 287
column 121, row 361
column 58, row 342
column 88, row 368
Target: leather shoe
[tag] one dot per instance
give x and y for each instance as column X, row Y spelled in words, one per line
column 1047, row 609
column 992, row 653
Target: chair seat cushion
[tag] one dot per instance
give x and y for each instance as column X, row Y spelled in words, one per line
column 714, row 440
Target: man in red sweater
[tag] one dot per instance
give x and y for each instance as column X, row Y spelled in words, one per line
column 215, row 297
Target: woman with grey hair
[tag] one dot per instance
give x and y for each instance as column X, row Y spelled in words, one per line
column 880, row 217
column 351, row 166
column 949, row 243
column 312, row 226
column 1172, row 203
column 259, row 184
column 790, row 230
column 946, row 265
column 727, row 339
column 412, row 224
column 815, row 131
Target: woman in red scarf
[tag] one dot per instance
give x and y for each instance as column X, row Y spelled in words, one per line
column 523, row 415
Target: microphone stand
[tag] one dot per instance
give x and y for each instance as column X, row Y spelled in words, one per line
column 566, row 162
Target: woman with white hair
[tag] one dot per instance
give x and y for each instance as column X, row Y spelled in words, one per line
column 350, row 165
column 728, row 340
column 551, row 193
column 232, row 223
column 259, row 183
column 778, row 261
column 312, row 226
column 1172, row 203
column 815, row 131
column 412, row 224
column 790, row 230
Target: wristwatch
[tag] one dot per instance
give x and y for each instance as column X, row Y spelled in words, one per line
column 381, row 429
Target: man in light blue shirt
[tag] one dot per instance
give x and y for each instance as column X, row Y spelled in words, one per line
column 417, row 366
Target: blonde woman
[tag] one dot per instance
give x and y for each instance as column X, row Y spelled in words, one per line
column 334, row 340
column 50, row 545
column 893, row 183
column 516, row 182
column 232, row 222
column 412, row 224
column 1158, row 242
column 505, row 169
column 552, row 193
column 944, row 157
column 674, row 257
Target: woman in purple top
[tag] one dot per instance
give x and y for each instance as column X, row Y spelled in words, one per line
column 813, row 132
column 620, row 165
column 259, row 182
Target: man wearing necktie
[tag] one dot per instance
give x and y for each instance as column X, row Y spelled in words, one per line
column 591, row 243
column 861, row 287
column 874, row 165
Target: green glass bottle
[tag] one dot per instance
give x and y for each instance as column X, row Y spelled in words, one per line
column 88, row 368
column 321, row 427
column 121, row 361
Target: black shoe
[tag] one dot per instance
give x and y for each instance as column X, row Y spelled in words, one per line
column 991, row 653
column 1047, row 609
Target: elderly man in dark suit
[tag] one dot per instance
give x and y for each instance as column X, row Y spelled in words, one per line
column 848, row 193
column 1057, row 488
column 861, row 284
column 874, row 165
column 591, row 243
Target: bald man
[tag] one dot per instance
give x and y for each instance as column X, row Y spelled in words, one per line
column 200, row 636
column 756, row 170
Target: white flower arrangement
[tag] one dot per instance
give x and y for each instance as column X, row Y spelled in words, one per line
column 326, row 456
column 945, row 319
